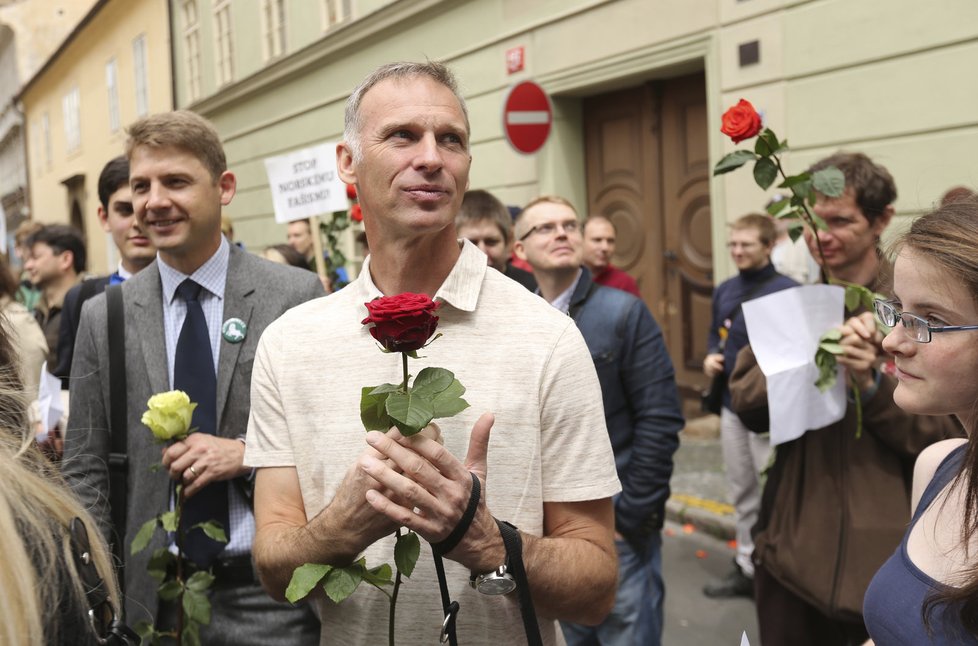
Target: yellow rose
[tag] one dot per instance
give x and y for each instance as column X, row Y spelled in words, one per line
column 169, row 414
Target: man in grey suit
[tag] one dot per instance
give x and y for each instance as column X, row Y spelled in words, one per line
column 180, row 182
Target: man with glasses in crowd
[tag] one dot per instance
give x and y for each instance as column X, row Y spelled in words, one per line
column 836, row 501
column 745, row 454
column 641, row 410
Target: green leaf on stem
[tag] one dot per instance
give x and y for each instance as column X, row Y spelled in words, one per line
column 820, row 223
column 379, row 576
column 410, row 412
column 143, row 536
column 213, row 530
column 794, row 180
column 776, row 206
column 304, row 579
column 168, row 519
column 373, row 408
column 857, row 295
column 830, row 181
column 169, row 590
column 197, row 606
column 733, row 161
column 795, row 230
column 190, row 635
column 159, row 563
column 432, row 381
column 767, row 143
column 765, row 172
column 145, row 630
column 200, row 581
column 340, row 583
column 825, row 359
column 449, row 401
column 407, row 549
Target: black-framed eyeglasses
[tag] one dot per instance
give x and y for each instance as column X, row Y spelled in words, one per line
column 917, row 328
column 549, row 228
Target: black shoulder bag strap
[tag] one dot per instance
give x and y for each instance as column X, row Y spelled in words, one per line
column 118, row 467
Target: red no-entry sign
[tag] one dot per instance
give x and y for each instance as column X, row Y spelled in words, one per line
column 527, row 117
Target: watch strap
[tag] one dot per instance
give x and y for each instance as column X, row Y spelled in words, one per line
column 514, row 559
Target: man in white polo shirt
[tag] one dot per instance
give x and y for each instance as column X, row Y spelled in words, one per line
column 327, row 493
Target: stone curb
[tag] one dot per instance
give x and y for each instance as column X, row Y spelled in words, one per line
column 688, row 509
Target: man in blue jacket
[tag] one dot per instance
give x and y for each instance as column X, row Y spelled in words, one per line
column 641, row 405
column 745, row 454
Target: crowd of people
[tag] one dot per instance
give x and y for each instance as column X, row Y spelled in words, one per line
column 568, row 441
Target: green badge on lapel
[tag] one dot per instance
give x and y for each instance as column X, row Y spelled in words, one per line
column 234, row 330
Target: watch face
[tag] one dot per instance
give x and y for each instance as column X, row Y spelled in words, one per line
column 496, row 584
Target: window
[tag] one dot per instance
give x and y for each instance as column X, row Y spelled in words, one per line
column 71, row 109
column 191, row 37
column 112, row 88
column 225, row 46
column 139, row 69
column 273, row 23
column 336, row 12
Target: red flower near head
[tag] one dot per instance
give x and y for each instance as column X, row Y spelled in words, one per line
column 402, row 323
column 351, row 191
column 741, row 122
column 356, row 213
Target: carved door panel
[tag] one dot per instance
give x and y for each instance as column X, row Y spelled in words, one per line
column 647, row 171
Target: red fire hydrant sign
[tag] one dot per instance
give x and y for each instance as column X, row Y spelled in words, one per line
column 527, row 117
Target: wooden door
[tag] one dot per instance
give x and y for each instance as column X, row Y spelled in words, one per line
column 648, row 171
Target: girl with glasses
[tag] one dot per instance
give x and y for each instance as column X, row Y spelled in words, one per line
column 927, row 592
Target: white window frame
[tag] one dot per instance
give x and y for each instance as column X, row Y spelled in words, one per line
column 140, row 70
column 336, row 12
column 112, row 91
column 191, row 37
column 273, row 22
column 71, row 111
column 224, row 42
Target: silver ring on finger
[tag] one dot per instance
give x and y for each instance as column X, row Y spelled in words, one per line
column 193, row 471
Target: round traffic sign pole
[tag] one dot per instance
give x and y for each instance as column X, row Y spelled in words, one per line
column 527, row 117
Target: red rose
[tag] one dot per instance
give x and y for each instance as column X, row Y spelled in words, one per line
column 351, row 191
column 402, row 323
column 356, row 213
column 741, row 122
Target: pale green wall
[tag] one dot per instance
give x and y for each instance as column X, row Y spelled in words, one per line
column 893, row 78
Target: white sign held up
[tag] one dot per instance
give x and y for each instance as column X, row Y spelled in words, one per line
column 304, row 183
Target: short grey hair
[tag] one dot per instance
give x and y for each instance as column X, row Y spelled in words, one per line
column 438, row 72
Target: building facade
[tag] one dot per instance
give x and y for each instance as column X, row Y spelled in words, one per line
column 113, row 68
column 637, row 90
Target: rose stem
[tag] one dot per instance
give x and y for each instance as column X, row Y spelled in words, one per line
column 811, row 223
column 397, row 584
column 404, row 384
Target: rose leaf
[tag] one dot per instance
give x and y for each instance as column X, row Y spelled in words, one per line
column 170, row 590
column 765, row 172
column 168, row 520
column 449, row 402
column 342, row 582
column 407, row 549
column 379, row 576
column 213, row 530
column 190, row 635
column 766, row 144
column 794, row 180
column 143, row 536
column 733, row 161
column 410, row 412
column 432, row 381
column 373, row 409
column 159, row 563
column 776, row 207
column 200, row 580
column 830, row 181
column 197, row 606
column 304, row 579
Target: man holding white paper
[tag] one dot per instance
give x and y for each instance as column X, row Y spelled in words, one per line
column 835, row 503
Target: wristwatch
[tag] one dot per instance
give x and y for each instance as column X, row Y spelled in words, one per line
column 499, row 581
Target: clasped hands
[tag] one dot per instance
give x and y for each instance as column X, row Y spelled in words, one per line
column 203, row 458
column 415, row 482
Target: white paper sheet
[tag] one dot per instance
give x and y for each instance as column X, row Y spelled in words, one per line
column 49, row 403
column 743, row 639
column 784, row 329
